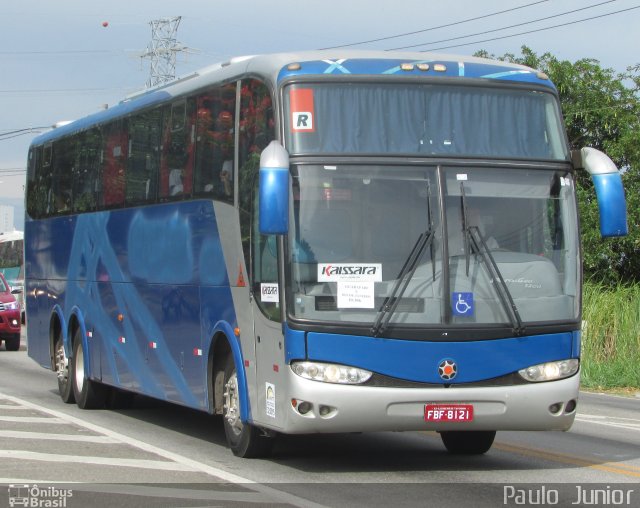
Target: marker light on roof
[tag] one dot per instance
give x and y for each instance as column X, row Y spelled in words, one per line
column 440, row 67
column 406, row 66
column 294, row 67
column 423, row 66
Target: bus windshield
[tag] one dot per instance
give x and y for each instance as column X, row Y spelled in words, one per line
column 423, row 119
column 425, row 246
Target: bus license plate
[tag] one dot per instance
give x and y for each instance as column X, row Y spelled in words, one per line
column 448, row 413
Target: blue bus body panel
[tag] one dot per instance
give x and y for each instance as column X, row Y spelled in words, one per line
column 139, row 279
column 364, row 66
column 419, row 360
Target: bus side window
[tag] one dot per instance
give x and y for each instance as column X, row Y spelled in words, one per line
column 63, row 164
column 142, row 167
column 86, row 171
column 38, row 182
column 260, row 251
column 216, row 143
column 257, row 127
column 115, row 149
column 177, row 150
column 264, row 273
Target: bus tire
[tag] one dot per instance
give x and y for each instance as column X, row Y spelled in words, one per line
column 89, row 394
column 63, row 372
column 244, row 439
column 475, row 442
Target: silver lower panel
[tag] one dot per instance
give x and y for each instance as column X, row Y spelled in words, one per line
column 368, row 409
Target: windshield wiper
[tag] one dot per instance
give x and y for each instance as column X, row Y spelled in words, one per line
column 474, row 239
column 391, row 302
column 404, row 277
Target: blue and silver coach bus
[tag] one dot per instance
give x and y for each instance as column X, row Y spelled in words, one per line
column 319, row 242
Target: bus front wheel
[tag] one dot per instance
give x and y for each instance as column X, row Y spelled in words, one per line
column 244, row 439
column 473, row 442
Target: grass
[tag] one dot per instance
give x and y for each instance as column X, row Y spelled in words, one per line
column 611, row 338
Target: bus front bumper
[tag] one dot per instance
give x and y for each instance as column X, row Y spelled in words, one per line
column 316, row 407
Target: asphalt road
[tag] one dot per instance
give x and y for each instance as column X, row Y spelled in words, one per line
column 156, row 454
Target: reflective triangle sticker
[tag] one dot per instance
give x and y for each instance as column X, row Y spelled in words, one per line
column 240, row 282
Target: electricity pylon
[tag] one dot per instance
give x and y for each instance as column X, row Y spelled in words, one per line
column 162, row 50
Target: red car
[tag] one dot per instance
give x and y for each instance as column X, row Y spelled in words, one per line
column 9, row 317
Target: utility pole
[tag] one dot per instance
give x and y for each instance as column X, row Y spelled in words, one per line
column 162, row 50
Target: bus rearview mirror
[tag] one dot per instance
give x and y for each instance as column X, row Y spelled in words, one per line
column 274, row 190
column 609, row 190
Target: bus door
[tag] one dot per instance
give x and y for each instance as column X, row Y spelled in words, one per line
column 269, row 340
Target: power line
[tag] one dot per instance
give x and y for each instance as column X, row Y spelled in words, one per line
column 11, row 172
column 60, row 52
column 25, row 129
column 4, row 138
column 22, row 132
column 505, row 27
column 533, row 31
column 61, row 90
column 436, row 27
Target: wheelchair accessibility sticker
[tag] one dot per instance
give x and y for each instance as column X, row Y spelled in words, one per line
column 462, row 304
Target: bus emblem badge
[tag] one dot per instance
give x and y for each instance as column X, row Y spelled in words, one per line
column 448, row 369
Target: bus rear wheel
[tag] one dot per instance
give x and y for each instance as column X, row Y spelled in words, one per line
column 64, row 373
column 244, row 439
column 473, row 442
column 89, row 394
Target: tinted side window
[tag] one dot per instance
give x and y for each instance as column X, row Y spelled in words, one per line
column 86, row 171
column 256, row 132
column 37, row 184
column 177, row 150
column 144, row 156
column 114, row 157
column 63, row 162
column 215, row 135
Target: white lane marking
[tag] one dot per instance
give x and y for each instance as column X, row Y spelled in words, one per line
column 610, row 421
column 195, row 465
column 19, row 434
column 104, row 461
column 275, row 494
column 31, row 419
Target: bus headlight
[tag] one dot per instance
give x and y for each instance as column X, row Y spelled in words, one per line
column 550, row 371
column 331, row 373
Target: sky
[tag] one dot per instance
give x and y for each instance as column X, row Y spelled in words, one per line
column 59, row 62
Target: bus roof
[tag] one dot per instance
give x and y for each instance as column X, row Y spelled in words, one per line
column 277, row 67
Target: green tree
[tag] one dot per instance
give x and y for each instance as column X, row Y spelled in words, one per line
column 601, row 109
